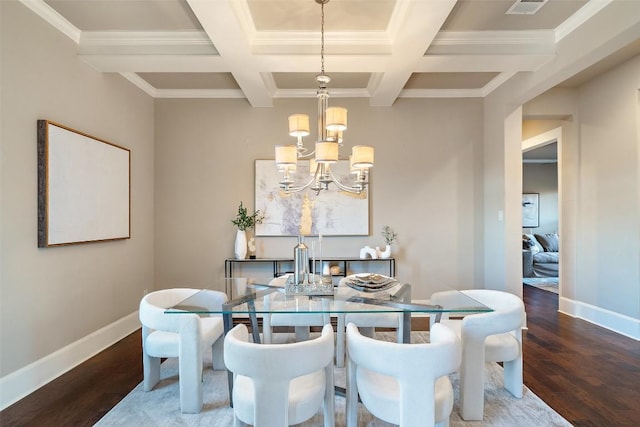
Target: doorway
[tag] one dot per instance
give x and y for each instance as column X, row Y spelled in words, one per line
column 541, row 205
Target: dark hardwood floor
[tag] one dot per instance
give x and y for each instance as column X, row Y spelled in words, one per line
column 590, row 375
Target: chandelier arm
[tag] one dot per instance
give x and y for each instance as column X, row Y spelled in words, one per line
column 341, row 186
column 304, row 156
column 290, row 189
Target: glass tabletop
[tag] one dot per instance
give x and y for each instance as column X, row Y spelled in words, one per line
column 255, row 298
column 269, row 296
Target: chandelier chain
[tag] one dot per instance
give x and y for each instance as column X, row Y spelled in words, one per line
column 322, row 38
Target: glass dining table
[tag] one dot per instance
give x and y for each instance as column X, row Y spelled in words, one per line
column 246, row 298
column 251, row 298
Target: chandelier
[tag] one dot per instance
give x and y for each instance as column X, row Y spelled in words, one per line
column 332, row 122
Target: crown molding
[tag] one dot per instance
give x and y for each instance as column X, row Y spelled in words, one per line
column 441, row 93
column 481, row 63
column 47, row 13
column 200, row 93
column 146, row 42
column 140, row 83
column 493, row 42
column 496, row 82
column 159, row 63
column 181, row 93
column 312, row 93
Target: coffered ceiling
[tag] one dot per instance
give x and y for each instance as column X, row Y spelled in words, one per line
column 266, row 49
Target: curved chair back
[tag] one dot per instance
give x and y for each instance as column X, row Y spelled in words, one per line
column 508, row 314
column 153, row 306
column 416, row 369
column 271, row 370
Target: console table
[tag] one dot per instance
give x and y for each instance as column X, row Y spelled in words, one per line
column 277, row 264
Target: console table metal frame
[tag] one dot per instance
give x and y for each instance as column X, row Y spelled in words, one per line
column 276, row 263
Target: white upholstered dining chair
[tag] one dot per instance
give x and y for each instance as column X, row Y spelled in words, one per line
column 367, row 324
column 185, row 336
column 486, row 337
column 403, row 384
column 280, row 384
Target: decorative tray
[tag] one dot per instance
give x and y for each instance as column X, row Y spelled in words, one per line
column 370, row 282
column 313, row 285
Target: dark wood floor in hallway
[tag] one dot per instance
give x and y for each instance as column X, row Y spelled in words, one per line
column 590, row 375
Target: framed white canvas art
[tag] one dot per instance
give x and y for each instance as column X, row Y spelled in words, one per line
column 83, row 187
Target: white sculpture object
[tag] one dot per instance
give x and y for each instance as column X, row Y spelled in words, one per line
column 368, row 250
column 252, row 248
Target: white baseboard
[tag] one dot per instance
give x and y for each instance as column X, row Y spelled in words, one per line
column 28, row 379
column 616, row 322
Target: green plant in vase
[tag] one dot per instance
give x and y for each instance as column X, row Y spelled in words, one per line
column 389, row 236
column 244, row 221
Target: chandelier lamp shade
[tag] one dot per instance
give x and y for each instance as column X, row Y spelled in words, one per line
column 332, row 122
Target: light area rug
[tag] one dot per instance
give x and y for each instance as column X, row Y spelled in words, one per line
column 545, row 283
column 161, row 406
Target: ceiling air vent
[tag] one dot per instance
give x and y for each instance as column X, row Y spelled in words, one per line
column 526, row 7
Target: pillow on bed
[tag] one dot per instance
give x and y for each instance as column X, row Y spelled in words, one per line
column 549, row 242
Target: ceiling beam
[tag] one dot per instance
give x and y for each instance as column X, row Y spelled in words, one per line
column 424, row 19
column 221, row 25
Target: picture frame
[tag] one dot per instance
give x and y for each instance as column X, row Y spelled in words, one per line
column 332, row 212
column 530, row 210
column 84, row 188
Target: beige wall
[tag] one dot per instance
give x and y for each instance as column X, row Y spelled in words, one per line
column 53, row 297
column 425, row 185
column 608, row 246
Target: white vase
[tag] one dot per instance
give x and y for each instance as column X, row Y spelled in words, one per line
column 240, row 248
column 384, row 254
